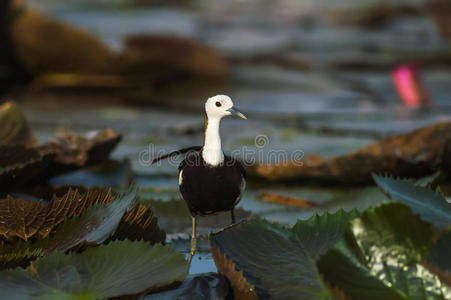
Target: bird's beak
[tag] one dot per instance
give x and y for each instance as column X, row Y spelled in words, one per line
column 236, row 112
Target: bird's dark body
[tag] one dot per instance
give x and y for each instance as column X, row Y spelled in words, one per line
column 210, row 189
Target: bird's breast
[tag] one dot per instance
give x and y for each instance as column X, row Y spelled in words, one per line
column 211, row 189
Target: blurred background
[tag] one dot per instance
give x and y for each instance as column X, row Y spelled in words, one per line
column 321, row 76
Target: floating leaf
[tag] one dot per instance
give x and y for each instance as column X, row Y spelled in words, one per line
column 139, row 223
column 20, row 218
column 438, row 259
column 66, row 223
column 265, row 260
column 287, row 200
column 19, row 165
column 111, row 173
column 121, row 268
column 19, row 258
column 416, row 154
column 204, row 286
column 429, row 180
column 75, row 151
column 174, row 217
column 430, row 205
column 95, row 225
column 14, row 129
column 380, row 257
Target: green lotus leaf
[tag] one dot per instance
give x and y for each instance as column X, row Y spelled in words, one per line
column 95, row 225
column 380, row 257
column 25, row 219
column 438, row 259
column 139, row 223
column 269, row 262
column 430, row 205
column 66, row 223
column 121, row 268
column 18, row 258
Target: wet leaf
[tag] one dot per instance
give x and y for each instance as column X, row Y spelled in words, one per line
column 438, row 260
column 380, row 257
column 174, row 217
column 111, row 173
column 90, row 149
column 19, row 258
column 415, row 154
column 14, row 129
column 93, row 225
column 287, row 200
column 19, row 165
column 204, row 286
column 101, row 219
column 269, row 262
column 430, row 205
column 67, row 222
column 24, row 219
column 121, row 268
column 76, row 151
column 139, row 223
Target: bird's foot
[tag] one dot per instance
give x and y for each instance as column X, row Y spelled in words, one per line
column 193, row 246
column 193, row 249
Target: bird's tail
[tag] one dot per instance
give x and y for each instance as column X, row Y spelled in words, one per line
column 175, row 153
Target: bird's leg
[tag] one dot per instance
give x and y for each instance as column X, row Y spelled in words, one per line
column 233, row 215
column 193, row 241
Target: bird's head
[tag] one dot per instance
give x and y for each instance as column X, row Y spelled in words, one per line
column 221, row 106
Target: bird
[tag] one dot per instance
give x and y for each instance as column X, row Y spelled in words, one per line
column 209, row 181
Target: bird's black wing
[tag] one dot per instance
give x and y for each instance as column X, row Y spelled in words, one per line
column 237, row 164
column 193, row 158
column 178, row 152
column 242, row 170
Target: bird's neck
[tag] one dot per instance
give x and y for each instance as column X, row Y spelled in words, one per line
column 212, row 151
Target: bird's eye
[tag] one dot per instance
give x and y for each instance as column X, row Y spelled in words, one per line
column 218, row 104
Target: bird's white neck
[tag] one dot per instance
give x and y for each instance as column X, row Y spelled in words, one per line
column 212, row 151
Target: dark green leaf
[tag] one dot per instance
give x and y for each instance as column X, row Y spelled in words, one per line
column 24, row 219
column 204, row 286
column 19, row 258
column 139, row 223
column 174, row 217
column 275, row 262
column 112, row 173
column 380, row 257
column 19, row 165
column 78, row 151
column 68, row 222
column 430, row 205
column 117, row 269
column 438, row 258
column 96, row 225
column 74, row 151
